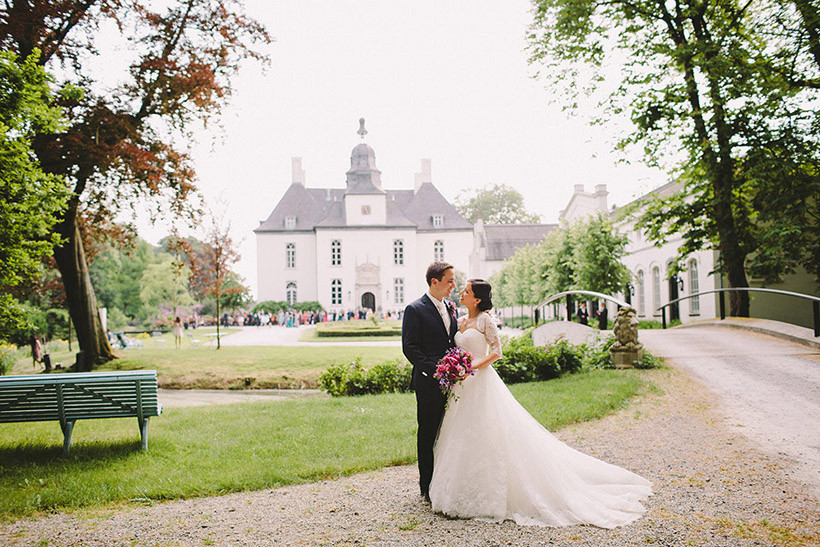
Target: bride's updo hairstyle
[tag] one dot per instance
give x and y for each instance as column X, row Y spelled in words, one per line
column 484, row 292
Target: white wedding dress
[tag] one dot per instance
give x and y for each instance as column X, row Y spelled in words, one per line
column 494, row 461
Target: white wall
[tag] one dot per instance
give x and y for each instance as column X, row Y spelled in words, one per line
column 273, row 276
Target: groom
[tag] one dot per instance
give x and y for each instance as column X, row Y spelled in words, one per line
column 427, row 333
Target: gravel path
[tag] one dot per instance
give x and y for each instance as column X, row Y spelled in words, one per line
column 712, row 487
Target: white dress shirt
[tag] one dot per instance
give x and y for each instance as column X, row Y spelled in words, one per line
column 442, row 310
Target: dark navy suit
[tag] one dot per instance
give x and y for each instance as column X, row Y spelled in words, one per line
column 424, row 341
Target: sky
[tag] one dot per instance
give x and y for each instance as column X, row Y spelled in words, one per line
column 441, row 79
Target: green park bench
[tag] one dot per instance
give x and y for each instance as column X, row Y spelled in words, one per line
column 75, row 396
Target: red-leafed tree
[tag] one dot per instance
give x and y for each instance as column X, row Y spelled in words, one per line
column 210, row 263
column 119, row 146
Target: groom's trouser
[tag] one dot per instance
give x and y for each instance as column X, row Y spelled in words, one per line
column 430, row 411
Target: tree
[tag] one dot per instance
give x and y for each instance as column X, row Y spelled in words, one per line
column 236, row 295
column 729, row 87
column 596, row 256
column 164, row 282
column 30, row 200
column 212, row 266
column 499, row 204
column 119, row 147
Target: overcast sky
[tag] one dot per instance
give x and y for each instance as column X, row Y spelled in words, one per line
column 440, row 79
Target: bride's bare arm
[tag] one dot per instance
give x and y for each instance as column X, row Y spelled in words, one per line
column 487, row 326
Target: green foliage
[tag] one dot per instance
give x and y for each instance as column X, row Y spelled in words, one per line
column 7, row 359
column 724, row 98
column 353, row 379
column 358, row 328
column 497, row 204
column 30, row 200
column 275, row 306
column 584, row 255
column 523, row 361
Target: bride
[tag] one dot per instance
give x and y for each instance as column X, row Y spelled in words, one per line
column 494, row 461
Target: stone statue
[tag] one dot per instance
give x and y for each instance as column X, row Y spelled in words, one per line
column 626, row 348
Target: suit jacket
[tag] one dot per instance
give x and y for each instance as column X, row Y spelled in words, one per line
column 424, row 339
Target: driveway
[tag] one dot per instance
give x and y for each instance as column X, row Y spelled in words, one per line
column 767, row 388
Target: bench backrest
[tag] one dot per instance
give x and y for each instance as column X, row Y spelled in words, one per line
column 67, row 397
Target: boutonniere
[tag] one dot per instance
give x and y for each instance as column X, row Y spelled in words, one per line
column 450, row 307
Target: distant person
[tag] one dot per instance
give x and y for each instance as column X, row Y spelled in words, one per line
column 36, row 350
column 583, row 315
column 602, row 314
column 178, row 332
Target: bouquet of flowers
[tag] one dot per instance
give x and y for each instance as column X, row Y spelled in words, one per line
column 456, row 365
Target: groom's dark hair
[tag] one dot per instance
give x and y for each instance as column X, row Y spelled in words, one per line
column 436, row 271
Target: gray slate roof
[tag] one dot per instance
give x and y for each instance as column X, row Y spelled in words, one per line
column 324, row 208
column 502, row 240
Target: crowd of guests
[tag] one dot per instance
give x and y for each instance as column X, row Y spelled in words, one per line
column 295, row 318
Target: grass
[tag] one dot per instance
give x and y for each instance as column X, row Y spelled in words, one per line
column 203, row 451
column 235, row 367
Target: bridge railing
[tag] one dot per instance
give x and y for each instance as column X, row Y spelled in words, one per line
column 814, row 300
column 568, row 295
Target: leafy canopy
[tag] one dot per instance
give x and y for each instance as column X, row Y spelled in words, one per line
column 30, row 200
column 497, row 204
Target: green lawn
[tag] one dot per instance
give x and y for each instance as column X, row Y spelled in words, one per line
column 234, row 367
column 213, row 450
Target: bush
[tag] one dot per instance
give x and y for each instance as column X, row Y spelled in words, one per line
column 357, row 328
column 352, row 378
column 566, row 356
column 7, row 358
column 597, row 355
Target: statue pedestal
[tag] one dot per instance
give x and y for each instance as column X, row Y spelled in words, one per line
column 623, row 358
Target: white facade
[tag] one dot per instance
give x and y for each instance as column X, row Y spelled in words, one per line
column 652, row 286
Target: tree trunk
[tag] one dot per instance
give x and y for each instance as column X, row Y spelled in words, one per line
column 80, row 297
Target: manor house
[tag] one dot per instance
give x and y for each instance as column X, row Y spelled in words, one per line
column 369, row 246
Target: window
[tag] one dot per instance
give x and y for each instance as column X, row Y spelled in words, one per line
column 335, row 253
column 438, row 221
column 398, row 290
column 398, row 252
column 336, row 292
column 291, row 293
column 290, row 223
column 656, row 289
column 438, row 250
column 290, row 255
column 694, row 303
column 641, row 294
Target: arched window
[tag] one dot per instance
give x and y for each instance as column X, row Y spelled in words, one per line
column 290, row 255
column 291, row 293
column 398, row 252
column 438, row 250
column 656, row 289
column 335, row 253
column 398, row 290
column 336, row 292
column 694, row 287
column 641, row 294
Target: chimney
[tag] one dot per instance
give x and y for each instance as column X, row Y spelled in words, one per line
column 600, row 197
column 297, row 173
column 426, row 174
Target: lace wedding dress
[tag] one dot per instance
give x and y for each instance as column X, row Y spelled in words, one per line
column 494, row 461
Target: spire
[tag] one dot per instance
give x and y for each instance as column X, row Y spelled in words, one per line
column 363, row 176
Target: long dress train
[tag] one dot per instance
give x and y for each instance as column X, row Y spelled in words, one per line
column 494, row 461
